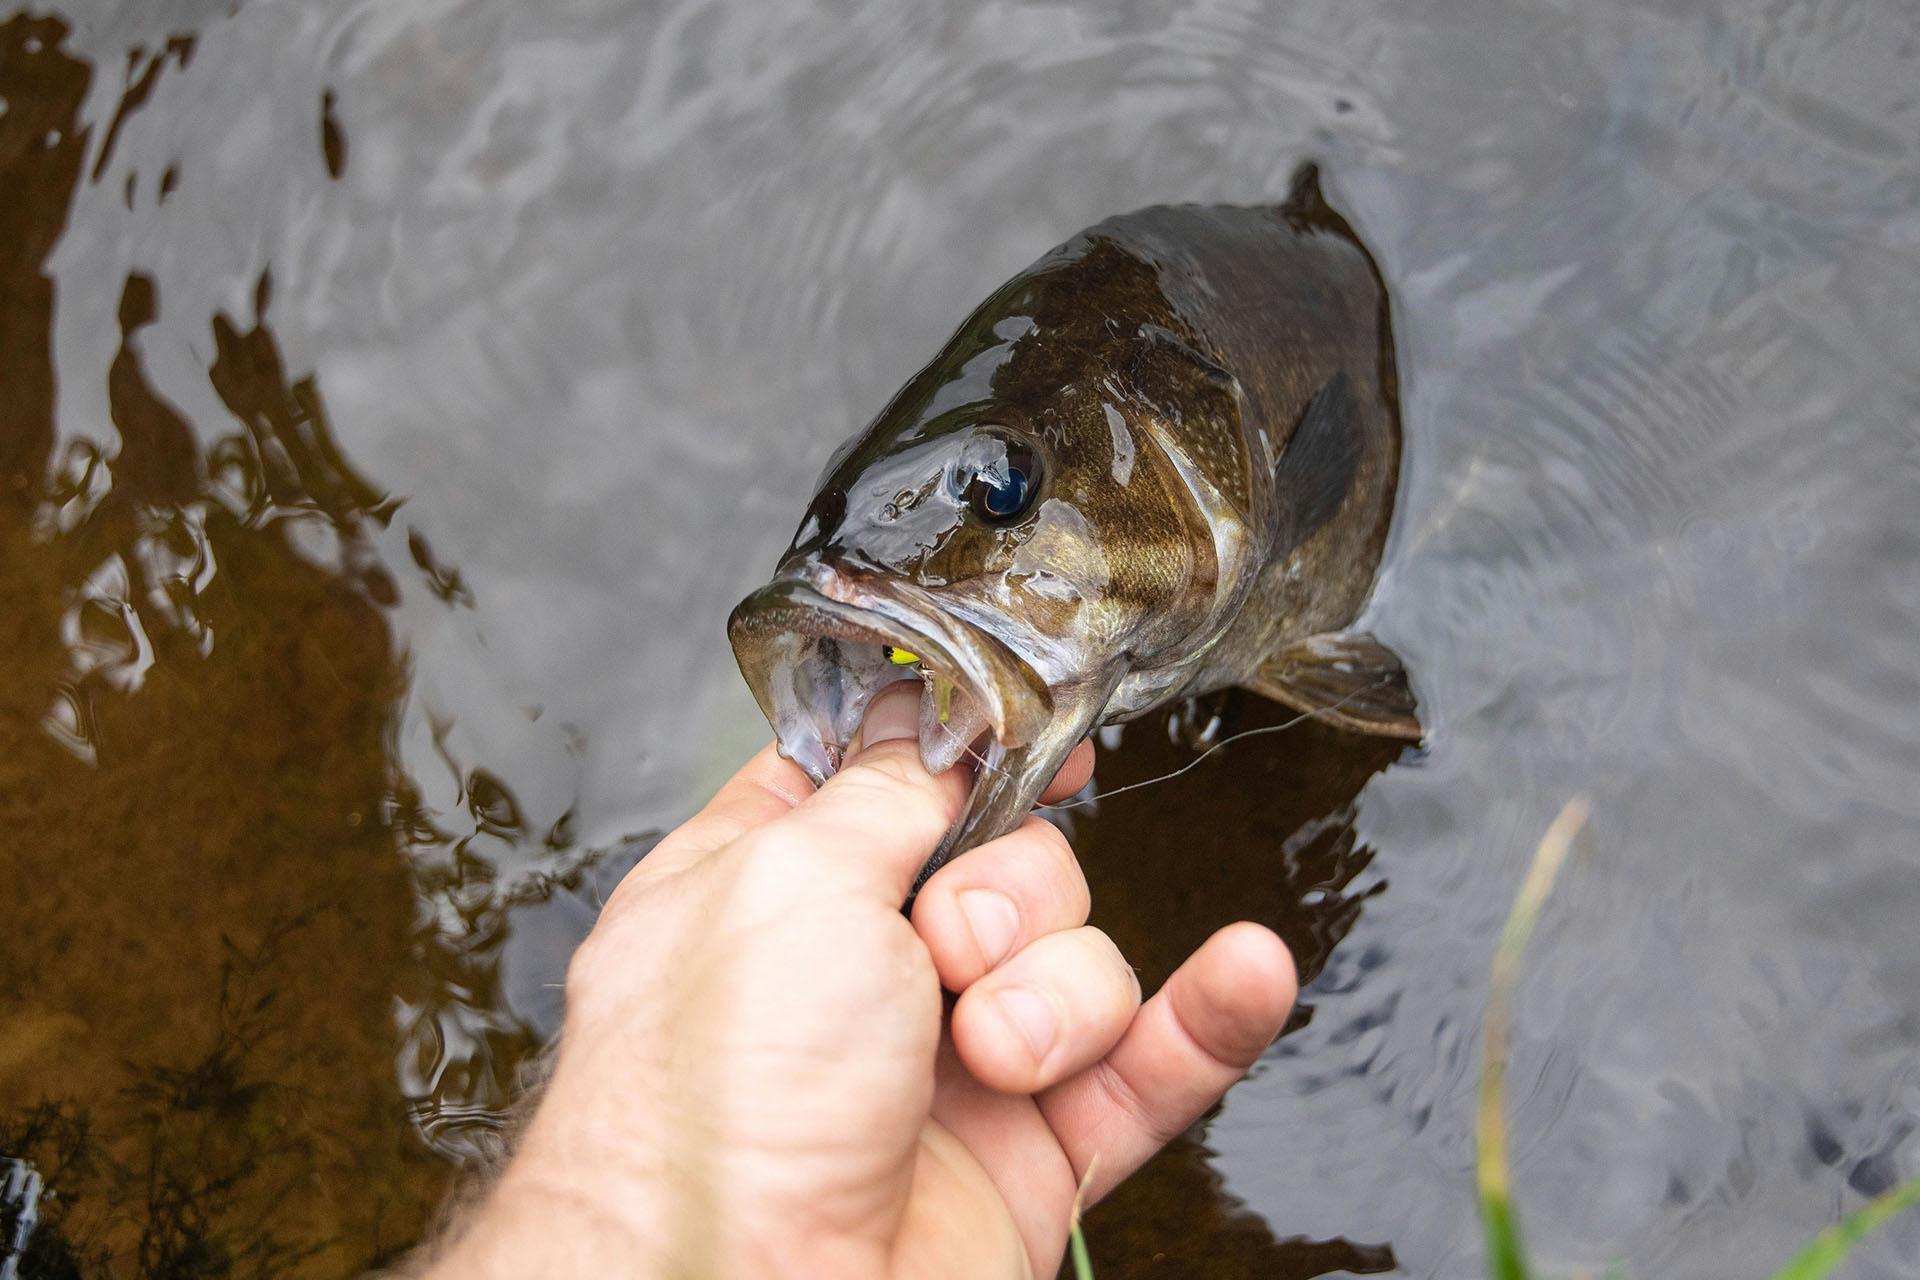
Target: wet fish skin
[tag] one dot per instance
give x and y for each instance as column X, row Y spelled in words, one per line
column 1209, row 396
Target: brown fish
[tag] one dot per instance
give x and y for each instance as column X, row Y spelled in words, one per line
column 1159, row 462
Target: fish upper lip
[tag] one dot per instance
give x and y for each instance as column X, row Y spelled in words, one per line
column 825, row 602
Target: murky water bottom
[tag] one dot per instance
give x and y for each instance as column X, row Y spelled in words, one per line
column 394, row 398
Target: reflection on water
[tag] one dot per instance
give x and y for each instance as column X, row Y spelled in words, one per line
column 242, row 950
column 195, row 1084
column 395, row 397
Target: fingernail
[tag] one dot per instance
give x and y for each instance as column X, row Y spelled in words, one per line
column 895, row 714
column 1031, row 1015
column 994, row 922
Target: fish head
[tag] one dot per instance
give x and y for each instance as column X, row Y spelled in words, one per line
column 1014, row 532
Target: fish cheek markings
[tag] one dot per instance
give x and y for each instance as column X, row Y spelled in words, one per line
column 1061, row 575
column 968, row 551
column 1193, row 410
column 1172, row 401
column 1155, row 565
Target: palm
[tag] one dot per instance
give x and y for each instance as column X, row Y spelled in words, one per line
column 1027, row 1177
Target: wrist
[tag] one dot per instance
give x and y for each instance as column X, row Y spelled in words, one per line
column 533, row 1225
column 578, row 1197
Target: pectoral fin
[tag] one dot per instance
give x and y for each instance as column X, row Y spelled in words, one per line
column 1316, row 468
column 1346, row 678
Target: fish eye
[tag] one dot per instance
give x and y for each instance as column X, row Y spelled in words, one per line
column 1000, row 487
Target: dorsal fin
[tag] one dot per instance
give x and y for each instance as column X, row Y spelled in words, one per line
column 1316, row 468
column 1304, row 204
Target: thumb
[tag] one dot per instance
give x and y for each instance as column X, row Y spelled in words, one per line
column 882, row 815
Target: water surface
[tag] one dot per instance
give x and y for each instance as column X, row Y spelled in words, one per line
column 395, row 397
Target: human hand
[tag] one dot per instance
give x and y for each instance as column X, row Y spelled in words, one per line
column 755, row 1076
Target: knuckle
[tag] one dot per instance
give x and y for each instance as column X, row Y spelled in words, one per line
column 771, row 871
column 1131, row 1107
column 1051, row 847
column 1037, row 867
column 1050, row 836
column 760, row 854
column 903, row 956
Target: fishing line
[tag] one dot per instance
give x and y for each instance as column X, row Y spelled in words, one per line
column 1199, row 759
column 1194, row 763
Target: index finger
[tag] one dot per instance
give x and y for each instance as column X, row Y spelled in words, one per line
column 1074, row 774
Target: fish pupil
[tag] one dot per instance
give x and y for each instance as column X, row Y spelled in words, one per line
column 1006, row 499
column 1003, row 490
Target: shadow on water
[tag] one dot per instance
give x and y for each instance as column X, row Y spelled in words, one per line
column 194, row 783
column 1261, row 830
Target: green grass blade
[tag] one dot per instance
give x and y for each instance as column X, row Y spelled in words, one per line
column 1506, row 1258
column 1076, row 1239
column 1830, row 1248
column 1077, row 1246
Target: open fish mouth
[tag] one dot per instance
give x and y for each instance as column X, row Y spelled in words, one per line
column 818, row 644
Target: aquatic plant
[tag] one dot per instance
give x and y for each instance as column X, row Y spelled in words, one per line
column 1076, row 1238
column 1506, row 1256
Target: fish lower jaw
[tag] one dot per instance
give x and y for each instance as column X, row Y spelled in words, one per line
column 821, row 733
column 815, row 662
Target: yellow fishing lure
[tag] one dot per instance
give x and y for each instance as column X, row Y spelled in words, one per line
column 942, row 688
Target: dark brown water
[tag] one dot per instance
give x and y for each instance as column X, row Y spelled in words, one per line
column 395, row 397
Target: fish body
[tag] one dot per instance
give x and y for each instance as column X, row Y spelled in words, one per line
column 1159, row 462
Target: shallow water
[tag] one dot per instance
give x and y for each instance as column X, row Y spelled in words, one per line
column 394, row 399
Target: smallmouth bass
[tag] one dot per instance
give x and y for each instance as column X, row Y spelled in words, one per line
column 1159, row 462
